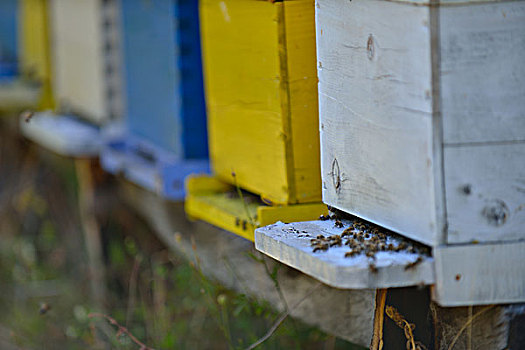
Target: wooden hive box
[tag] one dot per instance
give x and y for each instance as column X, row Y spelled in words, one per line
column 164, row 136
column 422, row 121
column 422, row 114
column 85, row 39
column 80, row 72
column 261, row 94
column 24, row 55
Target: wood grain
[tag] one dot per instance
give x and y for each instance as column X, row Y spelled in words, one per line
column 480, row 274
column 376, row 113
column 485, row 188
column 482, row 72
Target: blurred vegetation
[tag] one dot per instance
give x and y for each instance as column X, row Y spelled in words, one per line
column 162, row 300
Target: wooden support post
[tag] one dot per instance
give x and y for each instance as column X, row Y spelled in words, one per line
column 86, row 204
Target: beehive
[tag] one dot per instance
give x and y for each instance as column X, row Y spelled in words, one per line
column 261, row 92
column 86, row 58
column 165, row 135
column 423, row 132
column 422, row 116
column 261, row 95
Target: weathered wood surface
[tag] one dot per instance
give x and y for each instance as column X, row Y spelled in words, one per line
column 225, row 258
column 375, row 87
column 485, row 186
column 480, row 274
column 482, row 72
column 290, row 244
column 82, row 49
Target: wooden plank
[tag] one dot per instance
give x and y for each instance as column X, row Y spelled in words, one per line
column 290, row 244
column 34, row 47
column 485, row 186
column 152, row 77
column 376, row 113
column 480, row 274
column 80, row 54
column 221, row 205
column 482, row 72
column 63, row 135
column 302, row 89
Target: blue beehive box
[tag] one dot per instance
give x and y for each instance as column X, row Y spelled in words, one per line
column 8, row 39
column 164, row 136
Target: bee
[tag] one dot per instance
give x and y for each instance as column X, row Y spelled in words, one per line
column 44, row 308
column 413, row 264
column 27, row 115
column 351, row 253
column 390, row 247
column 338, row 224
column 320, row 247
column 320, row 237
column 324, row 217
column 244, row 225
column 372, row 267
column 367, row 235
column 370, row 254
column 237, row 222
column 381, row 246
column 347, row 232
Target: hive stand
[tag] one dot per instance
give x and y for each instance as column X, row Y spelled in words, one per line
column 226, row 206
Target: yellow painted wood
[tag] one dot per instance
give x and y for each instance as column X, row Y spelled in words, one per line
column 261, row 91
column 35, row 47
column 217, row 203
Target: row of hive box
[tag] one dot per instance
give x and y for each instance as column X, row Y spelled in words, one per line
column 411, row 117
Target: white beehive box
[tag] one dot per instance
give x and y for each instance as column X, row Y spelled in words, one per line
column 86, row 59
column 422, row 120
column 422, row 116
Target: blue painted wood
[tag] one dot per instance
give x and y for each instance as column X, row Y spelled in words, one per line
column 8, row 39
column 163, row 75
column 148, row 165
column 164, row 137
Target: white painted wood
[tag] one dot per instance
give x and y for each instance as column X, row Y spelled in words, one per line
column 63, row 135
column 485, row 188
column 375, row 77
column 480, row 274
column 81, row 51
column 482, row 72
column 290, row 244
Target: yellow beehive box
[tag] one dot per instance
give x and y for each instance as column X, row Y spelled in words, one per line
column 35, row 47
column 261, row 90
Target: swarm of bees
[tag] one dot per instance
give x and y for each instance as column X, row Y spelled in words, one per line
column 365, row 238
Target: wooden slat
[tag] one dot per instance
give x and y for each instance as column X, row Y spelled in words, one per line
column 376, row 113
column 482, row 72
column 290, row 244
column 485, row 188
column 303, row 102
column 219, row 204
column 480, row 274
